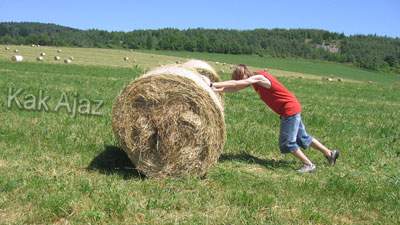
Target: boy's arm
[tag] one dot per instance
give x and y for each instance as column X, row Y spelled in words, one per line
column 236, row 85
column 228, row 90
column 262, row 81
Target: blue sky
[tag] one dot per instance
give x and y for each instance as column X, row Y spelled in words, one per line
column 351, row 16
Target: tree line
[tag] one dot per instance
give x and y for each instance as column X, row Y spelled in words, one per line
column 366, row 51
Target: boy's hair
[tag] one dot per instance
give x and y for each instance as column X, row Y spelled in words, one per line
column 240, row 71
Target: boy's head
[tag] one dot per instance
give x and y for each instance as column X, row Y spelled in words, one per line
column 241, row 72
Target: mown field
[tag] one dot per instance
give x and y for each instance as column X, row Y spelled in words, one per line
column 296, row 65
column 56, row 168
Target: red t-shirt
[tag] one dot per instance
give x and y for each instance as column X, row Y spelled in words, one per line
column 277, row 97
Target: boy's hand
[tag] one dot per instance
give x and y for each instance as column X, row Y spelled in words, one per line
column 206, row 79
column 217, row 89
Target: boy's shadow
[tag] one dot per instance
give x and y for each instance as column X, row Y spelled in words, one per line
column 113, row 160
column 250, row 159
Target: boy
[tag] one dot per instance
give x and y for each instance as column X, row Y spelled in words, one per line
column 293, row 135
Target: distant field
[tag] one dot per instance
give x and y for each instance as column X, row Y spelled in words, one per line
column 320, row 68
column 149, row 59
column 109, row 57
column 88, row 56
column 59, row 169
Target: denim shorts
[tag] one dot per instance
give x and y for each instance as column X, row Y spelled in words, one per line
column 293, row 134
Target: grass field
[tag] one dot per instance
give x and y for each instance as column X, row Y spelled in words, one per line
column 59, row 169
column 148, row 59
column 88, row 56
column 277, row 65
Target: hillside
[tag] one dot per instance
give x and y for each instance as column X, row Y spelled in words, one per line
column 144, row 60
column 366, row 51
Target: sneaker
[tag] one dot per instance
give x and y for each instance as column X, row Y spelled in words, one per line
column 332, row 159
column 307, row 168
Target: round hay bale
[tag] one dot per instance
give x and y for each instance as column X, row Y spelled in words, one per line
column 16, row 50
column 340, row 79
column 203, row 68
column 126, row 59
column 71, row 58
column 57, row 58
column 39, row 58
column 43, row 54
column 6, row 48
column 17, row 58
column 325, row 78
column 67, row 61
column 170, row 123
column 33, row 45
column 59, row 50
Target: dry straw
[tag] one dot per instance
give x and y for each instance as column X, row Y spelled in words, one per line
column 203, row 68
column 206, row 70
column 170, row 123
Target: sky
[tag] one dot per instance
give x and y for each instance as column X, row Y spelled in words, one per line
column 381, row 17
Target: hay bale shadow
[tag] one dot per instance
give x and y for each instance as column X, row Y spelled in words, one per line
column 250, row 159
column 113, row 160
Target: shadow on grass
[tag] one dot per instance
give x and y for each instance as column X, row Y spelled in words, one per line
column 114, row 160
column 247, row 158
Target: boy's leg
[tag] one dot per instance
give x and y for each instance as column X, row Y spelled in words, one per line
column 300, row 155
column 330, row 155
column 288, row 138
column 315, row 144
column 304, row 140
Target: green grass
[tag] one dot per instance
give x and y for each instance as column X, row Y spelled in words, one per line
column 56, row 168
column 320, row 68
